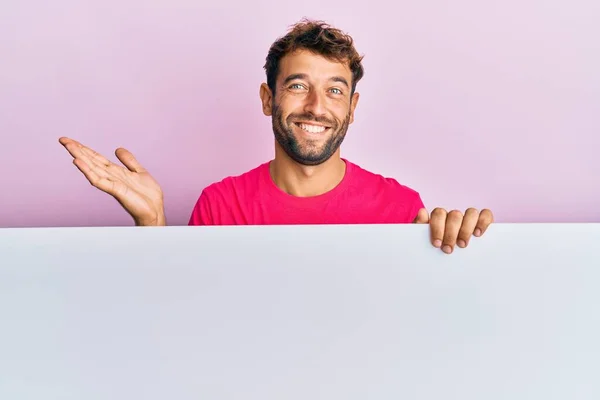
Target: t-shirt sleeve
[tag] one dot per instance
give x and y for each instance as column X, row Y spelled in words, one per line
column 201, row 214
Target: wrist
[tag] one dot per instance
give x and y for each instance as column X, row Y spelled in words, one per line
column 158, row 219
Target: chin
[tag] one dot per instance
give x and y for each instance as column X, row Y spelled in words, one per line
column 310, row 159
column 310, row 162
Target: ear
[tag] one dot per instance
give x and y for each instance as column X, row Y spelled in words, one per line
column 267, row 99
column 354, row 102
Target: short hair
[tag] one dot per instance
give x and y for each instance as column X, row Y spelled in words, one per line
column 317, row 37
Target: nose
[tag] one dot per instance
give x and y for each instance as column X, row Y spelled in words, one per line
column 315, row 103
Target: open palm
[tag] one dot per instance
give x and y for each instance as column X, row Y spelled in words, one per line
column 132, row 186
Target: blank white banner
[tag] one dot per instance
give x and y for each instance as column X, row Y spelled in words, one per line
column 299, row 312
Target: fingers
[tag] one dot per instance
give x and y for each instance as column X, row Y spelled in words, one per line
column 72, row 146
column 76, row 149
column 468, row 226
column 65, row 140
column 485, row 219
column 86, row 170
column 454, row 221
column 93, row 166
column 100, row 164
column 122, row 154
column 95, row 177
column 444, row 227
column 453, row 229
column 94, row 161
column 129, row 160
column 97, row 157
column 437, row 226
column 422, row 217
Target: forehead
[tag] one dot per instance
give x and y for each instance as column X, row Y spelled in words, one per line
column 314, row 65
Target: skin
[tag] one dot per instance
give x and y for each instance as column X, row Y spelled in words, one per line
column 310, row 90
column 313, row 90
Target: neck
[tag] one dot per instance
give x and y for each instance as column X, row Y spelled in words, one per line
column 305, row 181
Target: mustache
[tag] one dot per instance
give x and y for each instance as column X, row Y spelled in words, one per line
column 311, row 118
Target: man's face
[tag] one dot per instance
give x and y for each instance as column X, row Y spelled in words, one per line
column 312, row 107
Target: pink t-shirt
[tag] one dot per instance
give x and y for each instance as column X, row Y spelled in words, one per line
column 252, row 198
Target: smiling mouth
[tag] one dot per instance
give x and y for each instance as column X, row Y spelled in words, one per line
column 311, row 128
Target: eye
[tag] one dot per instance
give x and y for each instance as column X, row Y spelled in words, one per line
column 337, row 91
column 296, row 86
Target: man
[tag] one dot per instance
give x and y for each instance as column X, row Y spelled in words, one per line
column 310, row 95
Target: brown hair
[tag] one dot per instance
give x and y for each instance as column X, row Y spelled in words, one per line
column 317, row 37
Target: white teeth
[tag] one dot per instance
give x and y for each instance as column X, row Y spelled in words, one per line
column 312, row 128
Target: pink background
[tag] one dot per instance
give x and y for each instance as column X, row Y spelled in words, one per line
column 470, row 102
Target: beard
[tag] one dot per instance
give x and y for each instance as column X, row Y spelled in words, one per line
column 308, row 152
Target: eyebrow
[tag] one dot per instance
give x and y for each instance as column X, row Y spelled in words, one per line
column 340, row 79
column 293, row 77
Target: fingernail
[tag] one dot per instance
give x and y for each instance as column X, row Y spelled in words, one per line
column 477, row 232
column 447, row 249
column 437, row 243
column 461, row 243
